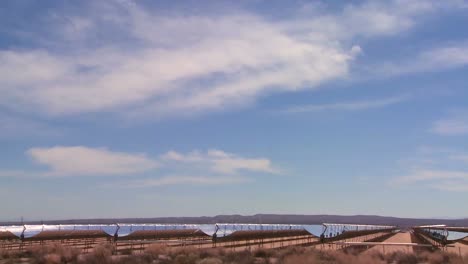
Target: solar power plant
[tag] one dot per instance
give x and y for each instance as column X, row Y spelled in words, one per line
column 67, row 234
column 164, row 234
column 221, row 234
column 129, row 231
column 264, row 234
column 441, row 234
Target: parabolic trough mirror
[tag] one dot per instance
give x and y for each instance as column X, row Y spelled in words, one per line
column 441, row 232
column 221, row 229
column 453, row 235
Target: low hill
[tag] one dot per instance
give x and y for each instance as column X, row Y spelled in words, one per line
column 265, row 219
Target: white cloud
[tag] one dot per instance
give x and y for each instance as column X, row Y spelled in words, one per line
column 436, row 59
column 185, row 64
column 348, row 106
column 171, row 168
column 250, row 55
column 84, row 161
column 370, row 19
column 435, row 168
column 457, row 124
column 450, row 127
column 445, row 180
column 222, row 162
column 187, row 180
column 193, row 156
column 431, row 175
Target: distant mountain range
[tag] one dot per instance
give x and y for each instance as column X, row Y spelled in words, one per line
column 265, row 219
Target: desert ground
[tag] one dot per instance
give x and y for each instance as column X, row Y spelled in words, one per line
column 396, row 247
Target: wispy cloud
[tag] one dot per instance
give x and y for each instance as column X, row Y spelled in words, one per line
column 171, row 168
column 185, row 180
column 450, row 127
column 85, row 161
column 348, row 106
column 445, row 180
column 431, row 175
column 447, row 170
column 440, row 58
column 185, row 64
column 456, row 124
column 222, row 162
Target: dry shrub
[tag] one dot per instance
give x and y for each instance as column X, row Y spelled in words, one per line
column 210, row 260
column 187, row 259
column 262, row 253
column 4, row 254
column 154, row 250
column 212, row 252
column 300, row 259
column 101, row 254
column 433, row 258
column 440, row 257
column 126, row 251
column 244, row 257
column 132, row 259
column 218, row 251
column 184, row 250
column 282, row 253
column 52, row 259
column 370, row 258
column 185, row 255
column 314, row 256
column 9, row 254
column 159, row 253
column 403, row 258
column 54, row 253
column 67, row 254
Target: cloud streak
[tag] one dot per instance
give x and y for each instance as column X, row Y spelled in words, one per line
column 213, row 167
column 438, row 168
column 437, row 59
column 222, row 162
column 232, row 62
column 444, row 180
column 348, row 106
column 85, row 161
column 431, row 175
column 186, row 180
column 446, row 171
column 188, row 64
column 456, row 124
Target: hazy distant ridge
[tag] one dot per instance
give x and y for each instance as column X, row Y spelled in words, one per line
column 264, row 219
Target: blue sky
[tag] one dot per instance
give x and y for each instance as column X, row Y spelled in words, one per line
column 126, row 108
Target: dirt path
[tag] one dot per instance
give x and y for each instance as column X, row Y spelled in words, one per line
column 397, row 238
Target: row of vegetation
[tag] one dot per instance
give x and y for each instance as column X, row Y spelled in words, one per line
column 103, row 254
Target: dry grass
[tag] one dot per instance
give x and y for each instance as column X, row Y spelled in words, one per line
column 155, row 250
column 8, row 254
column 157, row 253
column 53, row 254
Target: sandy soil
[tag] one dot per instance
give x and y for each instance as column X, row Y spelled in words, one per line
column 459, row 249
column 335, row 246
column 397, row 238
